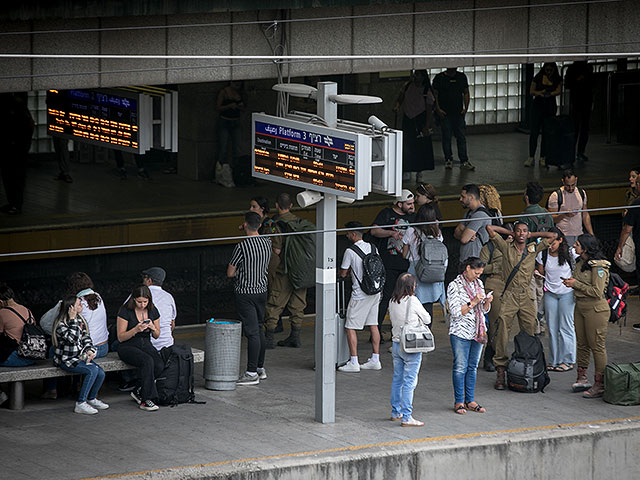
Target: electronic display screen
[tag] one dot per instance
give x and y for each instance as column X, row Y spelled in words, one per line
column 97, row 117
column 304, row 155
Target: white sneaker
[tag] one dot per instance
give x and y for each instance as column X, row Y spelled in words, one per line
column 246, row 379
column 529, row 162
column 412, row 422
column 448, row 164
column 84, row 407
column 226, row 178
column 262, row 374
column 371, row 365
column 3, row 397
column 98, row 404
column 349, row 368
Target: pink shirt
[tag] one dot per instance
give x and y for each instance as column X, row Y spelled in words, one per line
column 571, row 226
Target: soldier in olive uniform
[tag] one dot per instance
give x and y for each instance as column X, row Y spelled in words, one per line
column 494, row 282
column 517, row 298
column 591, row 317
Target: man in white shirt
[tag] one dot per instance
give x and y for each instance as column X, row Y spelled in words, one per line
column 363, row 309
column 566, row 201
column 154, row 278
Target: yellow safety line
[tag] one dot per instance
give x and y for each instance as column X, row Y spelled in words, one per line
column 372, row 445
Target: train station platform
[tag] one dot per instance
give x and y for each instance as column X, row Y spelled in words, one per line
column 99, row 208
column 268, row 431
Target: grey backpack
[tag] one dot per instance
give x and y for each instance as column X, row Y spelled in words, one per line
column 432, row 264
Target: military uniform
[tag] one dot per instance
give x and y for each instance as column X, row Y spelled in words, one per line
column 281, row 292
column 591, row 316
column 518, row 299
column 493, row 283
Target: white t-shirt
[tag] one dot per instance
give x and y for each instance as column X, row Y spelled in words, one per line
column 166, row 306
column 353, row 261
column 97, row 321
column 553, row 271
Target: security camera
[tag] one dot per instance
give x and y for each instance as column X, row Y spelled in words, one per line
column 308, row 198
column 377, row 123
column 345, row 199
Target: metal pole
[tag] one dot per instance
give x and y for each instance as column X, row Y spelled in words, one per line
column 325, row 339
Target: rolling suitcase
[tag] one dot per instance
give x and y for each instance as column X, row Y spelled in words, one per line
column 342, row 347
column 559, row 141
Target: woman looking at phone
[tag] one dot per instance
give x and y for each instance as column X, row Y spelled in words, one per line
column 137, row 320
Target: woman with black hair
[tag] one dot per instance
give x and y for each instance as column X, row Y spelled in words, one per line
column 545, row 87
column 74, row 352
column 137, row 320
column 427, row 293
column 468, row 305
column 591, row 317
column 260, row 205
column 556, row 263
column 405, row 309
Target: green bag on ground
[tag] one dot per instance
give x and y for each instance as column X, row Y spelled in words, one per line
column 299, row 253
column 622, row 383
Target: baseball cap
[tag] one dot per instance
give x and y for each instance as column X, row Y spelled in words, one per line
column 404, row 196
column 156, row 274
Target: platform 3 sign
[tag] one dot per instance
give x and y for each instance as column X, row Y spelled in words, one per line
column 311, row 156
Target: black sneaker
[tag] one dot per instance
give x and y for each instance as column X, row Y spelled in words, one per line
column 137, row 396
column 149, row 406
column 127, row 386
column 636, row 327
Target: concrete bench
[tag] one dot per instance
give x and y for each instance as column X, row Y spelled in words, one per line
column 46, row 369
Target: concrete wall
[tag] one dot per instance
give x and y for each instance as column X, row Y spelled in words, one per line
column 585, row 452
column 430, row 31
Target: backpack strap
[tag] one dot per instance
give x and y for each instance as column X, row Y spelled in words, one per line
column 514, row 271
column 21, row 317
column 361, row 254
column 545, row 255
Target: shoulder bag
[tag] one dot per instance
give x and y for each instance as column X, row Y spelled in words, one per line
column 33, row 343
column 416, row 338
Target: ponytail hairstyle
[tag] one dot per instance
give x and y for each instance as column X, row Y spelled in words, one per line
column 472, row 263
column 78, row 281
column 592, row 249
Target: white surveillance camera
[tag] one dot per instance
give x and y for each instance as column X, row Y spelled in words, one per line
column 345, row 199
column 377, row 123
column 308, row 198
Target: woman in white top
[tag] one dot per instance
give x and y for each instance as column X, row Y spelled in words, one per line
column 559, row 303
column 405, row 309
column 467, row 331
column 427, row 293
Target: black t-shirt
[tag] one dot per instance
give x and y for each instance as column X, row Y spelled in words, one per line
column 132, row 320
column 579, row 81
column 632, row 218
column 450, row 91
column 391, row 249
column 550, row 85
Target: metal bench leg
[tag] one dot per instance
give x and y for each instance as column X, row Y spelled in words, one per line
column 16, row 397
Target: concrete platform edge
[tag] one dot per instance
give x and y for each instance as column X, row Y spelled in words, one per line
column 585, row 451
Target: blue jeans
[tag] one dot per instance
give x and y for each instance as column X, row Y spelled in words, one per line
column 15, row 360
column 102, row 350
column 466, row 356
column 406, row 367
column 562, row 334
column 454, row 125
column 93, row 378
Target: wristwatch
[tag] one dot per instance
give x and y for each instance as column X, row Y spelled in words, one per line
column 469, row 304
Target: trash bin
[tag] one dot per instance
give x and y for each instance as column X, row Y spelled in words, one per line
column 222, row 354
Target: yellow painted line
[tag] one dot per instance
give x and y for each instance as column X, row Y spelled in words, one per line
column 372, row 445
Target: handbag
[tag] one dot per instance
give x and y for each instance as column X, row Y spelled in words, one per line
column 33, row 343
column 416, row 338
column 627, row 262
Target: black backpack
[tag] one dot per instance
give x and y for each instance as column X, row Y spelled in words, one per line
column 616, row 295
column 527, row 369
column 496, row 219
column 175, row 384
column 560, row 197
column 374, row 274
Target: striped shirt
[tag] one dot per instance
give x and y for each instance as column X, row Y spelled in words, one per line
column 251, row 259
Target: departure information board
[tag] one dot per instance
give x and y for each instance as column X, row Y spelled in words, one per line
column 308, row 156
column 119, row 120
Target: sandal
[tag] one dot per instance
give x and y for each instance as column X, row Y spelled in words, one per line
column 459, row 409
column 475, row 408
column 563, row 368
column 551, row 368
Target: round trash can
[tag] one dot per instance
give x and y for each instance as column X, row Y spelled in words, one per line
column 222, row 354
